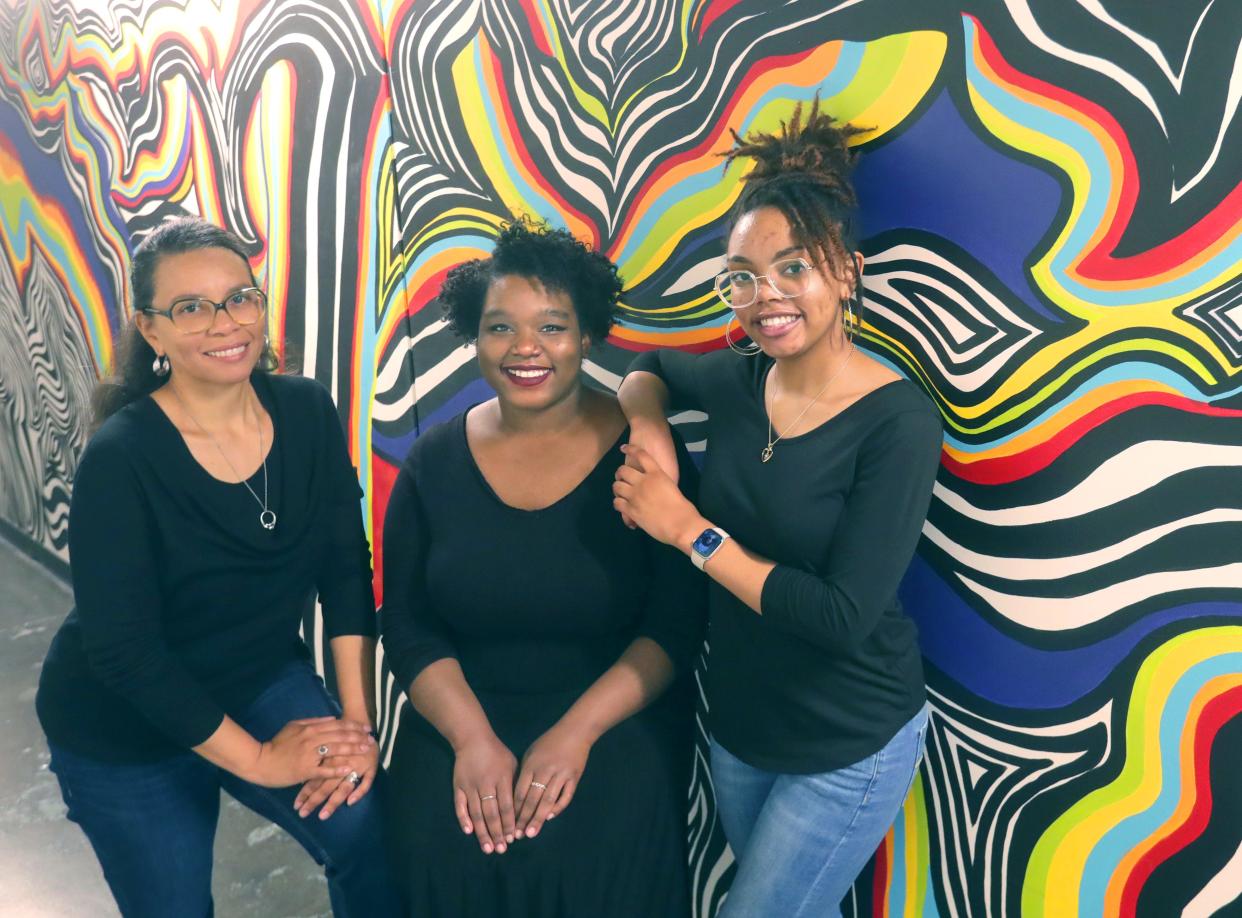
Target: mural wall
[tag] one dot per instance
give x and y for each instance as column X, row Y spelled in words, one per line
column 1053, row 229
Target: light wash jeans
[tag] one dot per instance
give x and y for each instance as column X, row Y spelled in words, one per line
column 801, row 840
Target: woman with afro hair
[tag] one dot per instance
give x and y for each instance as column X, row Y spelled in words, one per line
column 543, row 768
column 816, row 482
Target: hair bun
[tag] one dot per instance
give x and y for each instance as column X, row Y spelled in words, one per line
column 818, row 146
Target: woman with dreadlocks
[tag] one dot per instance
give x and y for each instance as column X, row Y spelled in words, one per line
column 817, row 479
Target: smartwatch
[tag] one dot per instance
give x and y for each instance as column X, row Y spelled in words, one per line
column 706, row 545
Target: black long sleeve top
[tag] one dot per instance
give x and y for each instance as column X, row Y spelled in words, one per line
column 527, row 601
column 185, row 606
column 831, row 669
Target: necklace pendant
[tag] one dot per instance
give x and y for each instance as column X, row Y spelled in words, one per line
column 766, row 454
column 267, row 519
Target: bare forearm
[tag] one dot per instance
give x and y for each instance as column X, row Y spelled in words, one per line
column 302, row 750
column 353, row 657
column 638, row 677
column 643, row 397
column 735, row 567
column 441, row 694
column 232, row 749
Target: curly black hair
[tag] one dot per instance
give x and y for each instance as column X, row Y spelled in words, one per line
column 553, row 257
column 804, row 172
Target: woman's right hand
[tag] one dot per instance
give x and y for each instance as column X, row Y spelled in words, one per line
column 295, row 754
column 654, row 435
column 483, row 792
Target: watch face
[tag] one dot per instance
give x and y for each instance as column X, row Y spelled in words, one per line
column 707, row 542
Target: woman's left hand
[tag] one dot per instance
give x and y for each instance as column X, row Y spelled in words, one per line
column 548, row 777
column 332, row 792
column 643, row 493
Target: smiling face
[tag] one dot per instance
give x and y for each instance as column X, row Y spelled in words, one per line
column 226, row 353
column 762, row 242
column 530, row 347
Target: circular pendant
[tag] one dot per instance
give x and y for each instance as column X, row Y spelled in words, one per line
column 267, row 519
column 766, row 454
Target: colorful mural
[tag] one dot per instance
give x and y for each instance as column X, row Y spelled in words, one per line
column 1052, row 208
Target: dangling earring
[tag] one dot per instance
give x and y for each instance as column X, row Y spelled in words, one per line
column 850, row 316
column 160, row 366
column 749, row 350
column 852, row 324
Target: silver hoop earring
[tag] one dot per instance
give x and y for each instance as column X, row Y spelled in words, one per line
column 160, row 365
column 749, row 350
column 849, row 319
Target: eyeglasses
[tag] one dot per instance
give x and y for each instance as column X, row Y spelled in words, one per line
column 789, row 277
column 196, row 314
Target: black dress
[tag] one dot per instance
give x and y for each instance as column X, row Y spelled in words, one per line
column 536, row 605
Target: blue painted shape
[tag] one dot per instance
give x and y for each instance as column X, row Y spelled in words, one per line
column 49, row 182
column 938, row 176
column 394, row 449
column 986, row 662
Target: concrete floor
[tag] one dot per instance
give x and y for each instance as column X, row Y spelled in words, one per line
column 47, row 869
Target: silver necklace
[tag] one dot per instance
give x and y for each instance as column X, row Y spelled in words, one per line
column 766, row 453
column 267, row 518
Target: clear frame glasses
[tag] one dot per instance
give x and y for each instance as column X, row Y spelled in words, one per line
column 790, row 277
column 195, row 314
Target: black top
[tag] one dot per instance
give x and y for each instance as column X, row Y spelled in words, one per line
column 185, row 606
column 831, row 669
column 527, row 601
column 535, row 605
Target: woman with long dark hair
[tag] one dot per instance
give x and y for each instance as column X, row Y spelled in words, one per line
column 211, row 505
column 816, row 482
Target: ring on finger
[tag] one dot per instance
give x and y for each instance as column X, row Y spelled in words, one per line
column 323, row 751
column 488, row 797
column 539, row 784
column 354, row 778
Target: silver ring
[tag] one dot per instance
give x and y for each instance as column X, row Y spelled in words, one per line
column 354, row 778
column 323, row 751
column 488, row 797
column 539, row 785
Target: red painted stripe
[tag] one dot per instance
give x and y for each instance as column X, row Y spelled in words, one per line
column 537, row 28
column 1099, row 263
column 715, row 9
column 1088, row 111
column 1007, row 469
column 424, row 294
column 505, row 109
column 705, row 148
column 695, row 347
column 1216, row 713
column 383, row 477
column 427, row 291
column 879, row 880
column 156, row 190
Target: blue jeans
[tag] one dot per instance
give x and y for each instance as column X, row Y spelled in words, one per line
column 801, row 840
column 153, row 825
